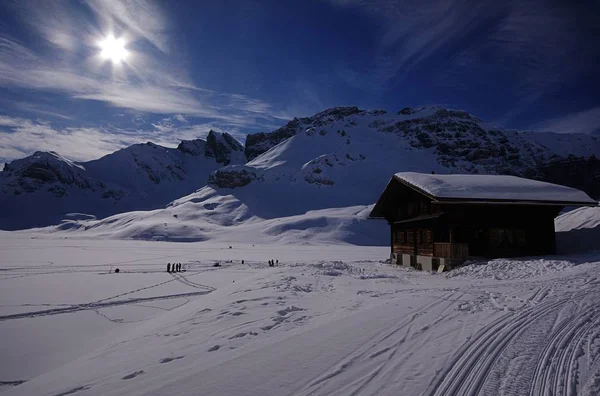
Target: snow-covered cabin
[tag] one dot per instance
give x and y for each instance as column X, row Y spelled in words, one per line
column 440, row 219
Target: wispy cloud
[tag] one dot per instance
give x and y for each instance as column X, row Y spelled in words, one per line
column 587, row 121
column 411, row 32
column 152, row 80
column 536, row 46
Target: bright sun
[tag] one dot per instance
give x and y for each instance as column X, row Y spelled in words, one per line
column 113, row 49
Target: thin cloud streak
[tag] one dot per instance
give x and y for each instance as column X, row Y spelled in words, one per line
column 587, row 121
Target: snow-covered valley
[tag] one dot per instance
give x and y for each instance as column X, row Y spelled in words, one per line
column 326, row 320
column 331, row 317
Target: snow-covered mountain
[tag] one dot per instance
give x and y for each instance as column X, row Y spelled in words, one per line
column 42, row 188
column 315, row 178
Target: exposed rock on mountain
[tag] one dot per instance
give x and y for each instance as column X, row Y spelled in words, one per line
column 222, row 147
column 454, row 140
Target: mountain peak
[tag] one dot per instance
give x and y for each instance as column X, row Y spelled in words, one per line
column 222, row 147
column 43, row 159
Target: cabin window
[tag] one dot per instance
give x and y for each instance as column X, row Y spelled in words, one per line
column 410, row 237
column 424, row 236
column 399, row 236
column 402, row 237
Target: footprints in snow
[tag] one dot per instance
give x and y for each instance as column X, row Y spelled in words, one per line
column 243, row 334
column 140, row 372
column 133, row 375
column 284, row 315
column 74, row 390
column 170, row 359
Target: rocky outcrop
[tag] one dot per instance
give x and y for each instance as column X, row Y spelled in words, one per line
column 231, row 177
column 259, row 143
column 221, row 146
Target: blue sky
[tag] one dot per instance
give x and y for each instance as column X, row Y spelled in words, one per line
column 248, row 66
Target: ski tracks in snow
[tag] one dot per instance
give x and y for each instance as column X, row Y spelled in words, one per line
column 376, row 363
column 536, row 351
column 112, row 302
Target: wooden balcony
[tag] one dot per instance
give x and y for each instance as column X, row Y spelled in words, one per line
column 451, row 250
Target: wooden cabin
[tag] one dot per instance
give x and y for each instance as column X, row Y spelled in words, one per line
column 439, row 221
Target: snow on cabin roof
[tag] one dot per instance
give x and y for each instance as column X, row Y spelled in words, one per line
column 493, row 187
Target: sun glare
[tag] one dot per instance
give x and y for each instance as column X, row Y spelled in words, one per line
column 113, row 49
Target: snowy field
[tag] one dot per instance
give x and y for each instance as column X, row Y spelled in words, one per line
column 327, row 320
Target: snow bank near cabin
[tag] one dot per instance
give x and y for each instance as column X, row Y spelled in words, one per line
column 578, row 219
column 578, row 230
column 508, row 269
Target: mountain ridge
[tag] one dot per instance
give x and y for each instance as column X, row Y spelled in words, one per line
column 141, row 176
column 319, row 183
column 340, row 157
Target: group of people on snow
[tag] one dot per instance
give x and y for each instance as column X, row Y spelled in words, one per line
column 175, row 267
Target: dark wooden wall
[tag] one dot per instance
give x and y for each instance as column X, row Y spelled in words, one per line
column 490, row 230
column 503, row 230
column 412, row 241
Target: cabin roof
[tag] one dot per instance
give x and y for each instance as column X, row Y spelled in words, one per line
column 492, row 187
column 480, row 189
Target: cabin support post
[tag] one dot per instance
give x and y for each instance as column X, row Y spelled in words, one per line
column 391, row 242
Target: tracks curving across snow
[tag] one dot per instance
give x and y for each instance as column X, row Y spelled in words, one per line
column 97, row 305
column 533, row 351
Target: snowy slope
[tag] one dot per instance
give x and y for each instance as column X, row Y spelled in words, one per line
column 225, row 219
column 313, row 176
column 325, row 321
column 43, row 188
column 345, row 156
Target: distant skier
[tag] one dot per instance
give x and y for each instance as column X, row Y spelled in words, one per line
column 179, row 267
column 169, row 267
column 242, row 261
column 277, row 261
